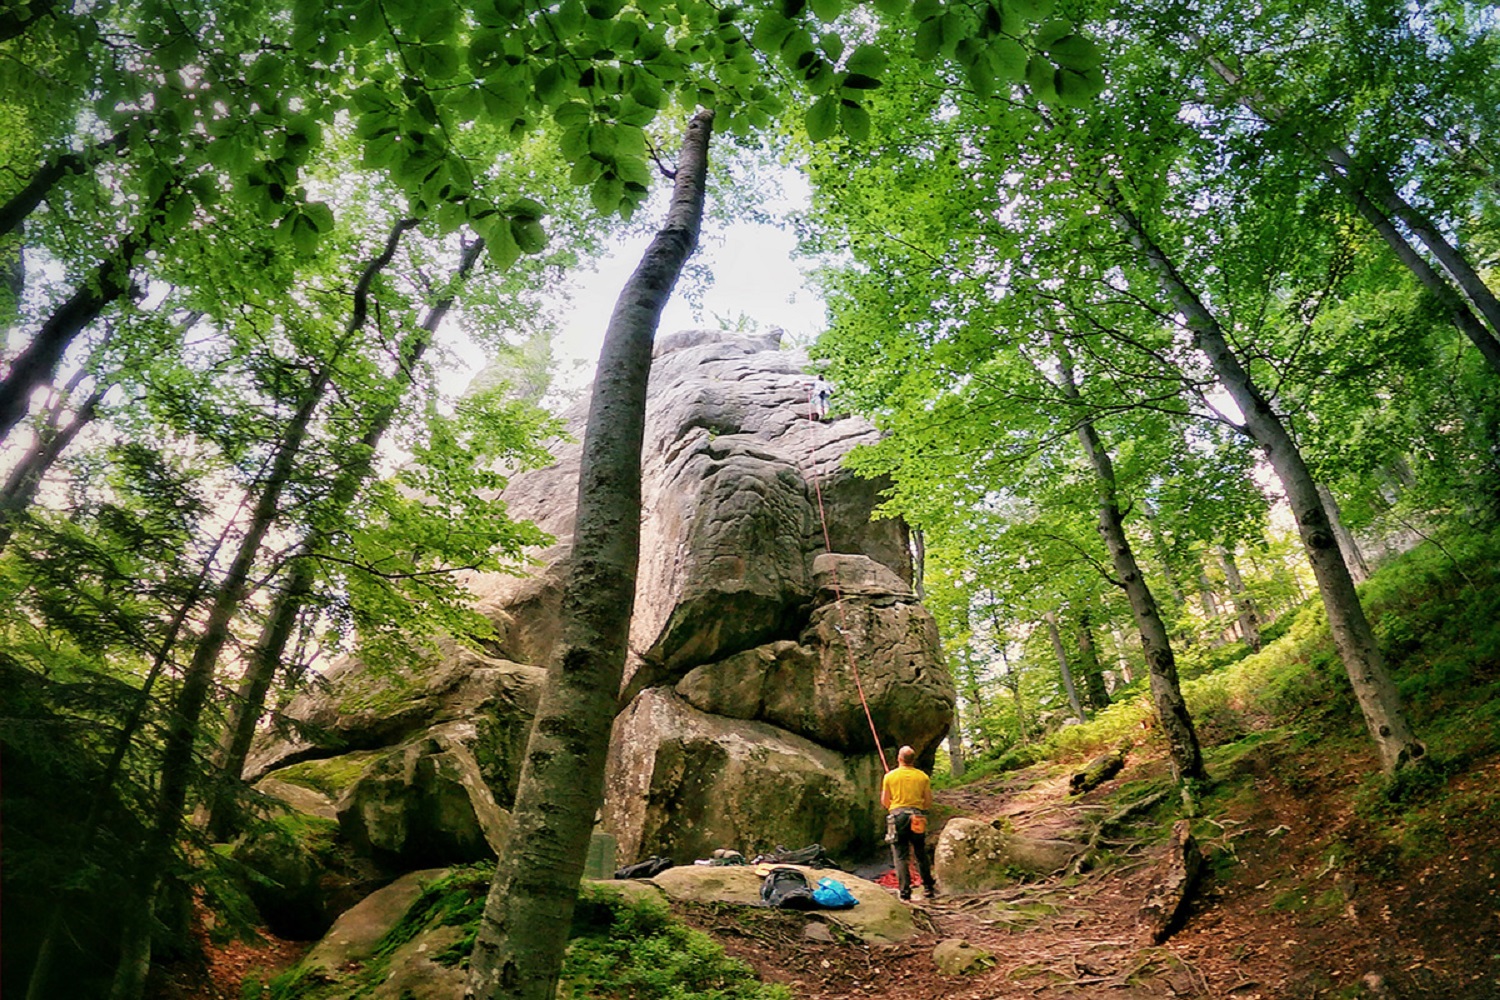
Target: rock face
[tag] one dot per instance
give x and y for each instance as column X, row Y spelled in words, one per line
column 742, row 724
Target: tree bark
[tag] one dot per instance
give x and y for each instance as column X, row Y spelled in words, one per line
column 1244, row 604
column 52, row 440
column 21, row 204
column 1161, row 662
column 1358, row 568
column 1062, row 665
column 182, row 723
column 38, row 361
column 280, row 624
column 524, row 929
column 1094, row 687
column 1121, row 660
column 956, row 744
column 1373, row 685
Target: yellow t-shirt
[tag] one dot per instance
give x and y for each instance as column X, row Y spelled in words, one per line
column 909, row 788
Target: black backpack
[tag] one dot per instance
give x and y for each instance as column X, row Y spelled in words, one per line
column 645, row 869
column 788, row 889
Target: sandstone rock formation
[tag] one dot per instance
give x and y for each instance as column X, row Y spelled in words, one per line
column 741, row 723
column 972, row 856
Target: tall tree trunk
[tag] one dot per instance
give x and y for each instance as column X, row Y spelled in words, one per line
column 1244, row 604
column 52, row 439
column 1163, row 553
column 1121, row 660
column 1012, row 680
column 956, row 744
column 1062, row 665
column 1161, row 662
column 182, row 724
column 270, row 647
column 1095, row 690
column 1340, row 168
column 1358, row 568
column 524, row 929
column 1373, row 685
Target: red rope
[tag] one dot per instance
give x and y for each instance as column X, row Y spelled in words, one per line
column 838, row 596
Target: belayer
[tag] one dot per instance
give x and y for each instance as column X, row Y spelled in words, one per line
column 906, row 794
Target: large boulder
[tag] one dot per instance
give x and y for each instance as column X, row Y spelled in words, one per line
column 683, row 782
column 972, row 856
column 355, row 707
column 424, row 803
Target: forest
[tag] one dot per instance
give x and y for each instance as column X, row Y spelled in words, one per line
column 1178, row 320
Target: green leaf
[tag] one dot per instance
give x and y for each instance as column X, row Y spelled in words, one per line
column 926, row 10
column 891, row 8
column 856, row 120
column 529, row 235
column 572, row 114
column 858, row 81
column 585, row 171
column 929, row 40
column 550, row 85
column 1008, row 57
column 1041, row 78
column 526, row 208
column 500, row 242
column 1052, row 31
column 574, row 143
column 831, row 44
column 770, row 31
column 602, row 141
column 1077, row 89
column 320, row 215
column 867, row 60
column 822, row 119
column 827, row 11
column 606, row 194
column 1076, row 52
column 1028, row 10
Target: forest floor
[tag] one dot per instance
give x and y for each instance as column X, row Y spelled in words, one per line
column 1303, row 895
column 1298, row 900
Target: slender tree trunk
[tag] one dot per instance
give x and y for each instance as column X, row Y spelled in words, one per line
column 270, row 646
column 52, row 440
column 182, row 723
column 919, row 563
column 1163, row 553
column 1013, row 681
column 524, row 929
column 1244, row 604
column 1340, row 168
column 1094, row 687
column 956, row 744
column 1062, row 665
column 1373, row 685
column 1358, row 568
column 1121, row 660
column 1161, row 662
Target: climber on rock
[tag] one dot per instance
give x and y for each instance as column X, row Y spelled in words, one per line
column 817, row 399
column 906, row 793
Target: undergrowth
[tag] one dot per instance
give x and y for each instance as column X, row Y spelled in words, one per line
column 1435, row 611
column 621, row 948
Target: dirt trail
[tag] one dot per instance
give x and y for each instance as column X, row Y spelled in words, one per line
column 1284, row 912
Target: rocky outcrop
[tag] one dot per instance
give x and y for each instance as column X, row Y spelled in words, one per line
column 972, row 856
column 764, row 584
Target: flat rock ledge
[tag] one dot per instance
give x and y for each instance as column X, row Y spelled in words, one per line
column 880, row 918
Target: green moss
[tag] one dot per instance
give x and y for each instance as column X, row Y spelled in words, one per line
column 331, row 776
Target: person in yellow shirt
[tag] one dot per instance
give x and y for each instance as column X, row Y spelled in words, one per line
column 906, row 794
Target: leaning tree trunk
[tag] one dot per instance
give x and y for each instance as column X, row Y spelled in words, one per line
column 1094, row 687
column 1161, row 663
column 51, row 441
column 270, row 647
column 524, row 930
column 38, row 361
column 1373, row 685
column 1244, row 604
column 1063, row 667
column 1358, row 568
column 21, row 204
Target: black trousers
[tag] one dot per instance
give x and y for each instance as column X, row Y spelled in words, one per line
column 903, row 842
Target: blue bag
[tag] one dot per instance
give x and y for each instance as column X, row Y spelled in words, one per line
column 831, row 894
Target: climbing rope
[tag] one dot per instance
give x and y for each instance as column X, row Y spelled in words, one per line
column 838, row 594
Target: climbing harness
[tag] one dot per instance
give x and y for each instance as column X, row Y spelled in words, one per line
column 838, row 596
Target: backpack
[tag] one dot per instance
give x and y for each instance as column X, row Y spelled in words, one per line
column 812, row 856
column 645, row 869
column 787, row 889
column 831, row 894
